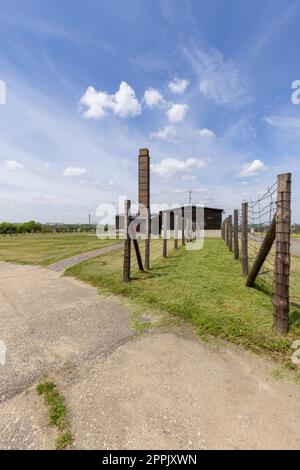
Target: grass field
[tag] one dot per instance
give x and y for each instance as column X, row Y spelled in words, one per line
column 204, row 287
column 47, row 249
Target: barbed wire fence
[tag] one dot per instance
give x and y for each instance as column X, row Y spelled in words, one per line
column 160, row 244
column 261, row 213
column 259, row 234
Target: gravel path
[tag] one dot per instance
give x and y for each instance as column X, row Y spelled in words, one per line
column 166, row 391
column 64, row 264
column 156, row 391
column 48, row 321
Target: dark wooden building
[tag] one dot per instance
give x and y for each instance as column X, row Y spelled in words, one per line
column 212, row 218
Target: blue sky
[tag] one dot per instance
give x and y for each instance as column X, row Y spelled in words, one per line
column 206, row 85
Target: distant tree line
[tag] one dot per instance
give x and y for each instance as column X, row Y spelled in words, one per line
column 8, row 228
column 296, row 228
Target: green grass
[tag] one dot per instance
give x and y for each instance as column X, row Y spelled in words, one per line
column 47, row 249
column 64, row 440
column 204, row 287
column 58, row 413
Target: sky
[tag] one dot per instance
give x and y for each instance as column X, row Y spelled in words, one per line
column 205, row 85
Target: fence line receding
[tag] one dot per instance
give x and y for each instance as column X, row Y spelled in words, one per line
column 261, row 240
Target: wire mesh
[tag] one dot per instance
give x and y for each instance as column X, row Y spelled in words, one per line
column 156, row 245
column 260, row 215
column 156, row 252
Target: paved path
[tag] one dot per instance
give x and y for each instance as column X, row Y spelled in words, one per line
column 64, row 264
column 156, row 391
column 47, row 320
column 295, row 244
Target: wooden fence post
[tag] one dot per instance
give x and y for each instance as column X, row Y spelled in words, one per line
column 147, row 244
column 236, row 234
column 226, row 231
column 282, row 255
column 176, row 218
column 264, row 250
column 138, row 254
column 223, row 230
column 165, row 248
column 182, row 231
column 230, row 233
column 245, row 261
column 165, row 234
column 127, row 242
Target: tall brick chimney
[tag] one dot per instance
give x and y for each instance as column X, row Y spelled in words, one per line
column 144, row 197
column 144, row 178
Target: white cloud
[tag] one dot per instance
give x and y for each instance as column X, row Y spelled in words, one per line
column 206, row 133
column 184, row 190
column 178, row 191
column 253, row 168
column 123, row 103
column 188, row 177
column 97, row 102
column 12, row 165
column 178, row 86
column 219, row 79
column 45, row 198
column 74, row 171
column 168, row 133
column 153, row 98
column 168, row 167
column 285, row 122
column 177, row 112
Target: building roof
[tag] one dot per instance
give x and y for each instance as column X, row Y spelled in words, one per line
column 193, row 205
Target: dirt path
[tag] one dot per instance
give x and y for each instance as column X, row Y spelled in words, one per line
column 159, row 390
column 64, row 264
column 48, row 321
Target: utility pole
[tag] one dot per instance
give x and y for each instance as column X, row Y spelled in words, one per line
column 190, row 197
column 89, row 219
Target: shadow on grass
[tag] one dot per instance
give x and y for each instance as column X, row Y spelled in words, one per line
column 262, row 287
column 144, row 275
column 295, row 315
column 165, row 266
column 156, row 271
column 294, row 307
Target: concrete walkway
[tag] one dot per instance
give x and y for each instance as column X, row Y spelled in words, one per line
column 165, row 389
column 295, row 244
column 64, row 264
column 48, row 320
